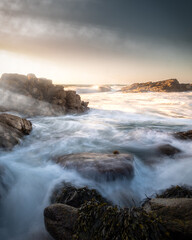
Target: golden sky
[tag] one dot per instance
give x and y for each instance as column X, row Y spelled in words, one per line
column 96, row 42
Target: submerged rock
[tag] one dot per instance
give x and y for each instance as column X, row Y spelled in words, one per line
column 168, row 150
column 99, row 166
column 170, row 85
column 12, row 129
column 38, row 96
column 184, row 135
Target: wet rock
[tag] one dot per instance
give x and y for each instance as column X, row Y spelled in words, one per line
column 99, row 166
column 40, row 96
column 104, row 88
column 176, row 192
column 60, row 221
column 184, row 135
column 176, row 215
column 75, row 197
column 168, row 150
column 12, row 129
column 170, row 85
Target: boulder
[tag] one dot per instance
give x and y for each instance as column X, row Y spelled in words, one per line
column 170, row 85
column 184, row 135
column 33, row 96
column 75, row 197
column 12, row 129
column 60, row 221
column 176, row 215
column 99, row 166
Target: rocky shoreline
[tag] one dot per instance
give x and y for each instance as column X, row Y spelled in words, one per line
column 32, row 96
column 169, row 85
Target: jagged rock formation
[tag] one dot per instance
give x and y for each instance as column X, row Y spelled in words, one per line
column 159, row 219
column 99, row 166
column 32, row 96
column 12, row 129
column 170, row 85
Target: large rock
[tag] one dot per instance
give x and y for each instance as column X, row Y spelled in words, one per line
column 170, row 85
column 37, row 96
column 99, row 166
column 60, row 221
column 176, row 213
column 12, row 129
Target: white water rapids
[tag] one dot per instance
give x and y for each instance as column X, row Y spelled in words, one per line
column 134, row 123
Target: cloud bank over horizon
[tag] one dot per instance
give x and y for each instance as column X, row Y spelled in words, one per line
column 82, row 41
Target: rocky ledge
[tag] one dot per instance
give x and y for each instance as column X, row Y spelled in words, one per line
column 170, row 85
column 12, row 129
column 168, row 216
column 33, row 96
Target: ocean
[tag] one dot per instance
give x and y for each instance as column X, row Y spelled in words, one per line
column 136, row 123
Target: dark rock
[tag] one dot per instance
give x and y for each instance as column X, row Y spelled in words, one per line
column 176, row 192
column 75, row 197
column 99, row 166
column 176, row 215
column 168, row 150
column 170, row 85
column 184, row 135
column 12, row 129
column 60, row 221
column 40, row 96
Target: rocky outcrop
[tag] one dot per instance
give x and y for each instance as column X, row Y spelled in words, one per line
column 184, row 135
column 170, row 85
column 12, row 129
column 32, row 96
column 99, row 166
column 159, row 218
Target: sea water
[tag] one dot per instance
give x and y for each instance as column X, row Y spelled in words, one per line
column 135, row 123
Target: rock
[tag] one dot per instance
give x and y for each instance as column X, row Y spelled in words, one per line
column 104, row 88
column 75, row 197
column 184, row 135
column 176, row 192
column 34, row 96
column 60, row 221
column 176, row 215
column 12, row 129
column 99, row 166
column 170, row 85
column 168, row 150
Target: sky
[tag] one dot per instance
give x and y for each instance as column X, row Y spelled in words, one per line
column 97, row 41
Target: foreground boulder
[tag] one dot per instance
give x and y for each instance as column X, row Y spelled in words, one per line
column 12, row 129
column 176, row 213
column 33, row 96
column 170, row 85
column 158, row 219
column 99, row 166
column 184, row 135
